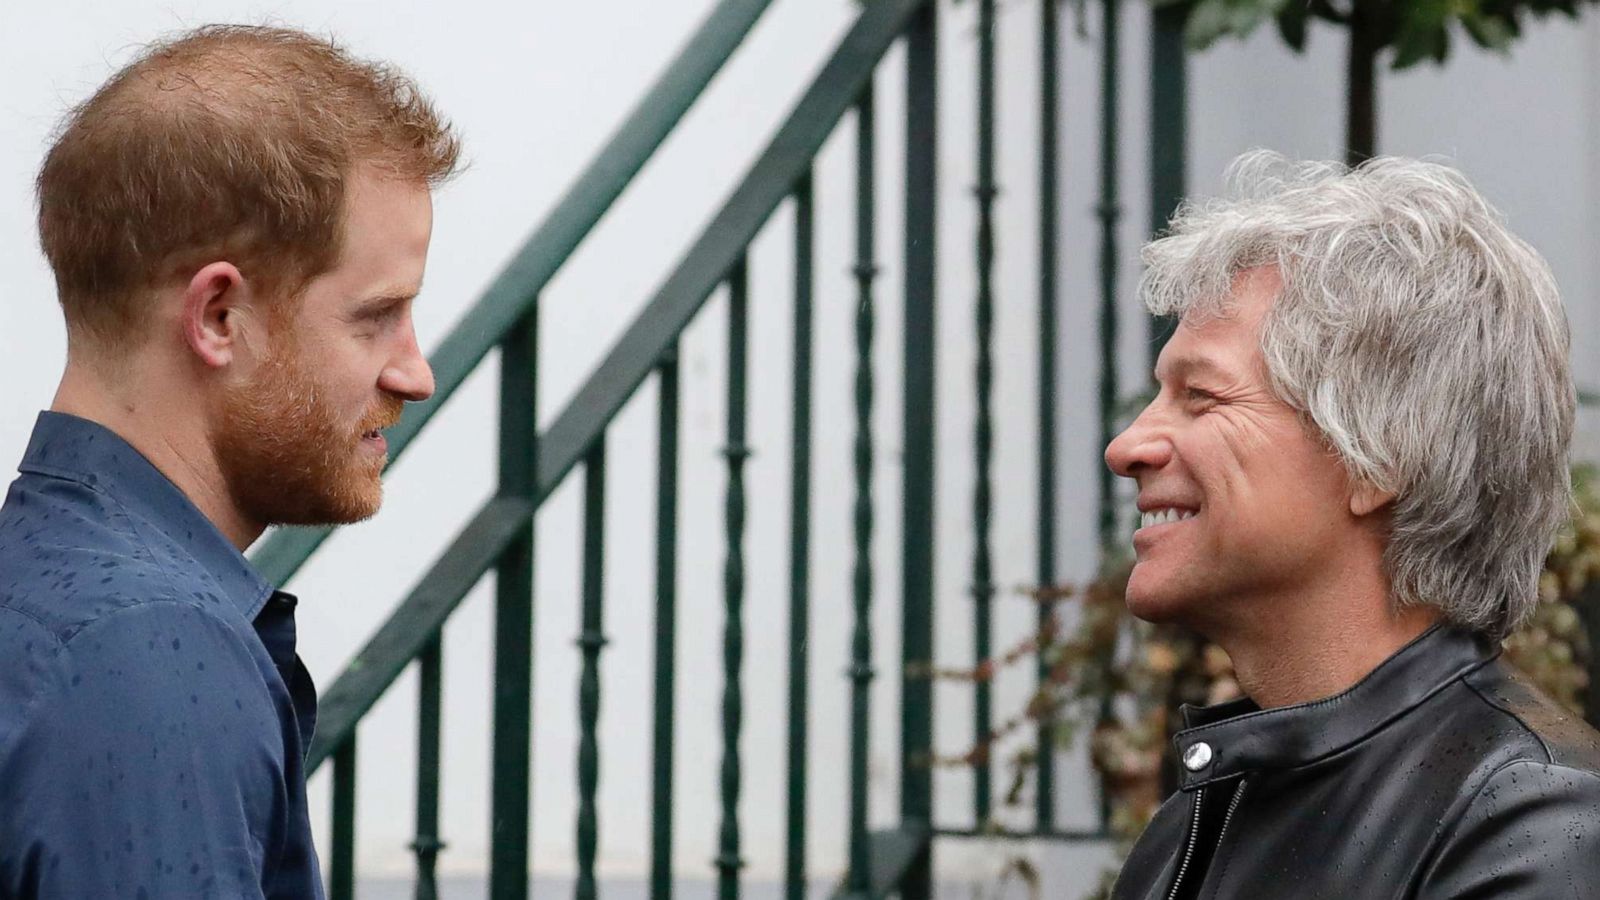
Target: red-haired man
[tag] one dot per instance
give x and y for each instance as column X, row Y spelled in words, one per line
column 238, row 222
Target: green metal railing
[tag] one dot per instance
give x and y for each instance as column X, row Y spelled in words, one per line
column 1109, row 211
column 592, row 641
column 861, row 671
column 666, row 624
column 906, row 856
column 736, row 452
column 1045, row 573
column 800, row 542
column 983, row 429
column 499, row 537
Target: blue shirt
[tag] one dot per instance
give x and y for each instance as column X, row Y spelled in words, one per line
column 154, row 717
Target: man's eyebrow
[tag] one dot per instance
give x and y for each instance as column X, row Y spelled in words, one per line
column 1192, row 365
column 386, row 298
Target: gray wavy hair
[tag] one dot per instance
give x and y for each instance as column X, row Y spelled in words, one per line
column 1422, row 340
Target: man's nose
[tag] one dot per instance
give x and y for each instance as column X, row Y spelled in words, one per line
column 408, row 376
column 1143, row 445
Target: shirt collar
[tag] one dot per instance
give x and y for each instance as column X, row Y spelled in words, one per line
column 66, row 446
column 1239, row 736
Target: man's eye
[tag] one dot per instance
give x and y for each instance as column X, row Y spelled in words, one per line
column 1197, row 395
column 379, row 319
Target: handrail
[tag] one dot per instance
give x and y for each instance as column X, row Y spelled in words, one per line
column 513, row 292
column 786, row 158
column 415, row 623
column 653, row 334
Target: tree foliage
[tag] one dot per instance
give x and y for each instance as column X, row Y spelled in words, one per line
column 1417, row 30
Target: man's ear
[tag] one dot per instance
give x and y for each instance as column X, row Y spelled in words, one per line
column 1366, row 498
column 212, row 302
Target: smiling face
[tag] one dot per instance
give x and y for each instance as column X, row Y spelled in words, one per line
column 1240, row 507
column 299, row 441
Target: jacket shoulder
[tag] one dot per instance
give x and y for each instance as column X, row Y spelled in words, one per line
column 1531, row 831
column 1553, row 734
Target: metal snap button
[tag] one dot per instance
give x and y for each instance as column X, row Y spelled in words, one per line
column 1197, row 757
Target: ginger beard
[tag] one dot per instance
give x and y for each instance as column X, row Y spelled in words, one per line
column 288, row 457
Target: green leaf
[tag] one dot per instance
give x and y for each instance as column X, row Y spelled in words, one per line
column 1421, row 31
column 1414, row 30
column 1292, row 24
column 1322, row 9
column 1208, row 21
column 1488, row 31
column 1413, row 46
column 1246, row 16
column 1213, row 19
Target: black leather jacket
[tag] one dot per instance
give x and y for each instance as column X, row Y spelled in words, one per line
column 1443, row 773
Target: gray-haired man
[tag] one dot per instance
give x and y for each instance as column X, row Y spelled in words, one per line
column 1349, row 479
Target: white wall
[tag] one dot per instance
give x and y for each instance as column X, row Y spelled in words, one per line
column 535, row 89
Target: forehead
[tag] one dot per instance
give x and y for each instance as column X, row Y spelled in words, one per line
column 387, row 228
column 1228, row 344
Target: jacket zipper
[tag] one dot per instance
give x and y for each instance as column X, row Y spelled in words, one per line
column 1238, row 794
column 1188, row 850
column 1194, row 834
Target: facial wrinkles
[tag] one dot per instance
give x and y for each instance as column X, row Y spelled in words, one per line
column 1246, row 427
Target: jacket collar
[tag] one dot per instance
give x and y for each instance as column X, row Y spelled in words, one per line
column 66, row 446
column 1240, row 737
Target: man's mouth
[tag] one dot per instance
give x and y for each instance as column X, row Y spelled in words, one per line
column 377, row 427
column 374, row 443
column 376, row 422
column 1164, row 516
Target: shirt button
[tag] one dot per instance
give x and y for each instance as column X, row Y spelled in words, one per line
column 1197, row 757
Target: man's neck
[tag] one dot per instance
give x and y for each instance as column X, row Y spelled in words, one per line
column 175, row 444
column 1320, row 646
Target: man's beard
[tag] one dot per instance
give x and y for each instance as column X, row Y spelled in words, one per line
column 286, row 456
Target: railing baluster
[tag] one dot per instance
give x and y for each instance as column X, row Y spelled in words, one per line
column 1109, row 211
column 666, row 623
column 591, row 641
column 916, row 581
column 736, row 453
column 427, row 844
column 513, row 633
column 865, row 270
column 983, row 430
column 342, row 865
column 1169, row 125
column 800, row 543
column 1049, row 96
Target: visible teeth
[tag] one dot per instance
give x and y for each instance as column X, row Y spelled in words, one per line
column 1163, row 516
